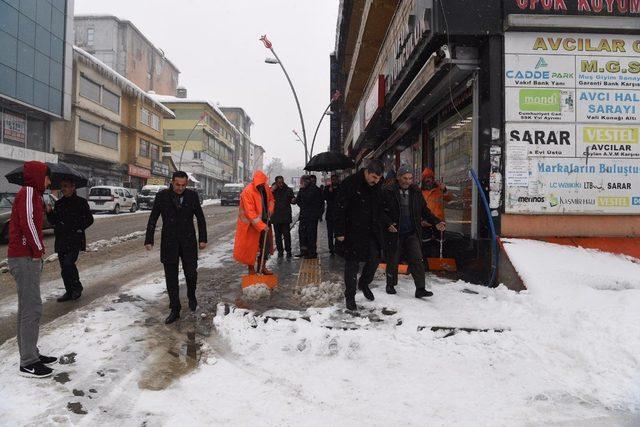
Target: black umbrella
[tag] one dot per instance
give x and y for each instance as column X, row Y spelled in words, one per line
column 329, row 161
column 59, row 172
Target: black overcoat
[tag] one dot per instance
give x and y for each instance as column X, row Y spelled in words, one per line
column 417, row 208
column 357, row 217
column 178, row 232
column 70, row 217
column 282, row 212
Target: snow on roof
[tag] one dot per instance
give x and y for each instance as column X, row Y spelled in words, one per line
column 176, row 100
column 125, row 84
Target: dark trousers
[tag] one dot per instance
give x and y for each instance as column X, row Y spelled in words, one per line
column 262, row 259
column 283, row 232
column 352, row 267
column 330, row 233
column 69, row 271
column 408, row 246
column 308, row 231
column 190, row 268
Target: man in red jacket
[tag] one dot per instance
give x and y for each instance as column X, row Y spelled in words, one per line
column 26, row 248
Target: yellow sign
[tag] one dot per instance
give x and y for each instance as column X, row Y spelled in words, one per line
column 610, row 135
column 155, row 181
column 613, row 202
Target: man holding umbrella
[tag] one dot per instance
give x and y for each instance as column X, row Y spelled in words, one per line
column 70, row 218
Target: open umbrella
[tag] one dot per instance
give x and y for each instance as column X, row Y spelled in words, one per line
column 59, row 172
column 329, row 161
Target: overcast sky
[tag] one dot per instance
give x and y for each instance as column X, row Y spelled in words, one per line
column 215, row 45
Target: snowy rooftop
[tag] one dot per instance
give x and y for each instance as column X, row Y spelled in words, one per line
column 125, row 84
column 176, row 100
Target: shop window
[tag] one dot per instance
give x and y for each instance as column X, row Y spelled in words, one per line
column 144, row 148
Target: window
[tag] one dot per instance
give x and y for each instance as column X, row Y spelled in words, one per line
column 89, row 132
column 110, row 100
column 144, row 148
column 155, row 121
column 155, row 152
column 150, row 119
column 110, row 139
column 89, row 89
column 144, row 116
column 90, row 36
column 197, row 155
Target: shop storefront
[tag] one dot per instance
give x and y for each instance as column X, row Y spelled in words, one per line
column 160, row 174
column 137, row 177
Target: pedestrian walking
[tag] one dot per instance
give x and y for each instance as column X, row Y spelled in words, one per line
column 70, row 218
column 311, row 209
column 357, row 225
column 178, row 205
column 435, row 194
column 282, row 218
column 330, row 194
column 24, row 257
column 253, row 234
column 403, row 215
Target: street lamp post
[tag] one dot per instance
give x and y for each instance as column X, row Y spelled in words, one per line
column 336, row 95
column 277, row 60
column 199, row 123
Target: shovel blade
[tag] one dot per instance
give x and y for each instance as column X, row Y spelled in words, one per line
column 271, row 280
column 402, row 268
column 442, row 264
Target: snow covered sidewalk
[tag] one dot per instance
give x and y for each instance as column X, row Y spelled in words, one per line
column 565, row 351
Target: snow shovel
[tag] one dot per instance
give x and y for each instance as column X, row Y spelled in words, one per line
column 442, row 264
column 271, row 280
column 402, row 268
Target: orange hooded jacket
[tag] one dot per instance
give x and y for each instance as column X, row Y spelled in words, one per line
column 435, row 198
column 250, row 224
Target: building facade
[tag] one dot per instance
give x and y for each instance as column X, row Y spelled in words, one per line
column 536, row 98
column 202, row 140
column 242, row 122
column 114, row 135
column 257, row 158
column 35, row 79
column 119, row 44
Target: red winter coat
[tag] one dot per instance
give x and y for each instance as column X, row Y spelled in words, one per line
column 250, row 224
column 25, row 227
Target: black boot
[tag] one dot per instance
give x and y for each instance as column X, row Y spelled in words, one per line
column 351, row 303
column 422, row 292
column 173, row 316
column 66, row 297
column 391, row 290
column 193, row 302
column 367, row 292
column 76, row 294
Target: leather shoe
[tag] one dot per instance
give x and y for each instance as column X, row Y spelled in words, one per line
column 75, row 295
column 367, row 292
column 423, row 293
column 173, row 316
column 391, row 290
column 66, row 297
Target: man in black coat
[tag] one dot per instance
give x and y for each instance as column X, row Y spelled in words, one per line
column 281, row 218
column 178, row 205
column 311, row 209
column 357, row 225
column 404, row 212
column 70, row 217
column 329, row 194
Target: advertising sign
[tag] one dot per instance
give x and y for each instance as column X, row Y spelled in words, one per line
column 160, row 169
column 139, row 172
column 572, row 123
column 14, row 127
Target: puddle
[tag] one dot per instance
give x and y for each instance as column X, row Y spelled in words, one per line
column 62, row 378
column 68, row 359
column 76, row 408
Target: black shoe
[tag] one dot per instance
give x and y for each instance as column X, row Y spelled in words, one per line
column 351, row 303
column 193, row 303
column 66, row 297
column 48, row 360
column 75, row 295
column 280, row 255
column 173, row 316
column 289, row 255
column 391, row 290
column 367, row 292
column 301, row 255
column 35, row 370
column 311, row 256
column 423, row 293
column 332, row 252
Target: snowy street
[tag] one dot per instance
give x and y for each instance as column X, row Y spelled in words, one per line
column 564, row 352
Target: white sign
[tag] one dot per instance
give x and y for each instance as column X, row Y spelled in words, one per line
column 25, row 154
column 572, row 111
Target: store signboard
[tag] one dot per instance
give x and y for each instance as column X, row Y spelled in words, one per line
column 572, row 123
column 14, row 127
column 139, row 172
column 160, row 169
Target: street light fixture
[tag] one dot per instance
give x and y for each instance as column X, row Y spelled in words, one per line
column 277, row 60
column 199, row 123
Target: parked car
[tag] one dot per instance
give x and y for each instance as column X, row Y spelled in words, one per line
column 231, row 194
column 106, row 198
column 147, row 195
column 6, row 203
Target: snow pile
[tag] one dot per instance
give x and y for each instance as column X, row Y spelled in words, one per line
column 107, row 243
column 321, row 295
column 210, row 202
column 256, row 292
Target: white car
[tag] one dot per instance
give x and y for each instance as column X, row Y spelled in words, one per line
column 111, row 199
